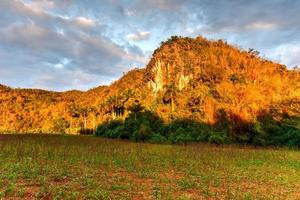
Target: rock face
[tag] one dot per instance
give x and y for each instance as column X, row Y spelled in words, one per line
column 162, row 73
column 185, row 78
column 205, row 77
column 184, row 81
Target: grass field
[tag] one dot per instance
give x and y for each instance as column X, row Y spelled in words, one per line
column 82, row 167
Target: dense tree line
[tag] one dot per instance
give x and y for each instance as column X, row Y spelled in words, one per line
column 147, row 126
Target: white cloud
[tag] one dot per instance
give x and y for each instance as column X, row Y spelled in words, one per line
column 287, row 54
column 260, row 25
column 83, row 21
column 139, row 36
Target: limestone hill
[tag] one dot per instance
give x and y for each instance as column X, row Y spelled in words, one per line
column 186, row 78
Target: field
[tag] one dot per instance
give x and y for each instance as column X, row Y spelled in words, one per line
column 83, row 167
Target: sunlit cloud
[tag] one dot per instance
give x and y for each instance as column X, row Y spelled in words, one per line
column 261, row 26
column 83, row 21
column 139, row 36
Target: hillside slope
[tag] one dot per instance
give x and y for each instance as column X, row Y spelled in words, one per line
column 186, row 78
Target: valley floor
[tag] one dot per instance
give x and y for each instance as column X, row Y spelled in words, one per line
column 83, row 167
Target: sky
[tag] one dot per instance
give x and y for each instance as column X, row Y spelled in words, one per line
column 80, row 44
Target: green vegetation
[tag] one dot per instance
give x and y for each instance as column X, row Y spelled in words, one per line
column 147, row 126
column 86, row 167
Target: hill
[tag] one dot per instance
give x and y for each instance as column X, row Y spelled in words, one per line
column 189, row 78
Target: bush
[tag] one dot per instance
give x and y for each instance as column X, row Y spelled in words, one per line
column 137, row 125
column 180, row 136
column 158, row 138
column 105, row 128
column 203, row 133
column 197, row 131
column 268, row 131
column 183, row 139
column 292, row 138
column 258, row 135
column 283, row 135
column 114, row 133
column 218, row 138
column 147, row 126
column 143, row 133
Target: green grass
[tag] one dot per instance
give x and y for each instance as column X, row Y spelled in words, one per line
column 82, row 167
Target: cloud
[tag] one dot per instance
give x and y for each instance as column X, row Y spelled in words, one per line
column 139, row 36
column 40, row 5
column 80, row 44
column 83, row 21
column 261, row 26
column 38, row 41
column 75, row 79
column 288, row 54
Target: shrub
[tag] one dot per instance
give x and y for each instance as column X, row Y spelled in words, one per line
column 258, row 134
column 268, row 131
column 283, row 135
column 114, row 133
column 143, row 133
column 137, row 123
column 180, row 136
column 292, row 138
column 105, row 127
column 203, row 133
column 219, row 137
column 183, row 139
column 158, row 138
column 147, row 126
column 197, row 131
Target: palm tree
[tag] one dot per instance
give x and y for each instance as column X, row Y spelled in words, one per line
column 136, row 108
column 116, row 103
column 111, row 102
column 94, row 113
column 84, row 111
column 74, row 113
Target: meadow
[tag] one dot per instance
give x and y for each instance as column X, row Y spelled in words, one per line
column 87, row 167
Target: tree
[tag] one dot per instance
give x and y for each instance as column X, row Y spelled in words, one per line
column 170, row 94
column 136, row 108
column 143, row 133
column 84, row 111
column 111, row 102
column 253, row 52
column 116, row 104
column 60, row 125
column 74, row 113
column 94, row 112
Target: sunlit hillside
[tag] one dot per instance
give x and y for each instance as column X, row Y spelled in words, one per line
column 190, row 78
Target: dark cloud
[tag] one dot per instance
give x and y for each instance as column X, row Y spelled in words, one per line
column 79, row 44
